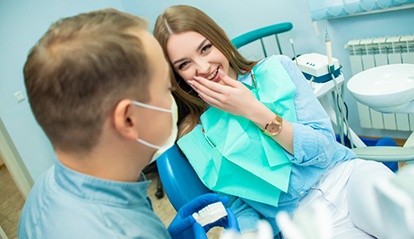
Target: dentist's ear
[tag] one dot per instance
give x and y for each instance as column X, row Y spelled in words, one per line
column 125, row 120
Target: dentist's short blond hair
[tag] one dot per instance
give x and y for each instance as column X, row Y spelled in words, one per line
column 80, row 69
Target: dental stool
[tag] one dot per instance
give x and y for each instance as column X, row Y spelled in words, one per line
column 181, row 183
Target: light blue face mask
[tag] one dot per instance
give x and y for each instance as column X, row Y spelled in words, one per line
column 173, row 135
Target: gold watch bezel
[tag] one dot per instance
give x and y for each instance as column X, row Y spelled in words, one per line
column 274, row 127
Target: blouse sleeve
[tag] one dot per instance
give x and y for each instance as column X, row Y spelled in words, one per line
column 314, row 140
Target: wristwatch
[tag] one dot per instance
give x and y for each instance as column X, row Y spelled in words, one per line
column 274, row 127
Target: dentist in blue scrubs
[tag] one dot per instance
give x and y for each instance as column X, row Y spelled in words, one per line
column 99, row 86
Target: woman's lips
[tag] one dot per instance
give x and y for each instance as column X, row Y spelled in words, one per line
column 214, row 76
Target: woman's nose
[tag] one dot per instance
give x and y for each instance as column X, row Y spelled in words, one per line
column 202, row 68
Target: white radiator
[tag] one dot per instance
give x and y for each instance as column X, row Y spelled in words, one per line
column 369, row 53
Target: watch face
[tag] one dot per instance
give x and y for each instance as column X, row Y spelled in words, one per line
column 273, row 128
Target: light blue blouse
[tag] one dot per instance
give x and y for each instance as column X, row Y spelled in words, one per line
column 315, row 151
column 67, row 204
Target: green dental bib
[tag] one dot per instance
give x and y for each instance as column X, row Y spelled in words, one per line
column 230, row 154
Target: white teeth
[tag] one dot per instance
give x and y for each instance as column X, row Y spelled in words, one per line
column 213, row 75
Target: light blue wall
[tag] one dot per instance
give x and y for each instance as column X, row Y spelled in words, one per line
column 23, row 22
column 237, row 17
column 21, row 25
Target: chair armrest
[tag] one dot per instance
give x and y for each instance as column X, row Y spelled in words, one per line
column 385, row 153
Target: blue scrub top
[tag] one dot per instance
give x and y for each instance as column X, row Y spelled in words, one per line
column 67, row 204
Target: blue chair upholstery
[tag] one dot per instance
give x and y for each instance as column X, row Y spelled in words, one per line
column 261, row 33
column 181, row 183
column 386, row 141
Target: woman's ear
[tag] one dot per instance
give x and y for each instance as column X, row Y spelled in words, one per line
column 125, row 120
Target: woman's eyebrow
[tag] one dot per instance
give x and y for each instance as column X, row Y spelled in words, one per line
column 178, row 61
column 201, row 44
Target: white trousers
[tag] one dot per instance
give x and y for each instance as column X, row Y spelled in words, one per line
column 347, row 192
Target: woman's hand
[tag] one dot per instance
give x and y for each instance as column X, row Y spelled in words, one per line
column 231, row 96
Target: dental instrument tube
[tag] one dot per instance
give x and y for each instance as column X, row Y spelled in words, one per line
column 338, row 101
column 328, row 48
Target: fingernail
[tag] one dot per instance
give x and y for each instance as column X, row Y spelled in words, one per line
column 221, row 72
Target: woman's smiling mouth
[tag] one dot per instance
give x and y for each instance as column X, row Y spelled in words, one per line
column 214, row 76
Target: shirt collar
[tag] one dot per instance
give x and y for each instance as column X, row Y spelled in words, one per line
column 100, row 190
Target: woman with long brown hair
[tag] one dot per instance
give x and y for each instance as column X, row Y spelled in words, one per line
column 254, row 130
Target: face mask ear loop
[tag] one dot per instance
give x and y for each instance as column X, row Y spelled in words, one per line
column 151, row 107
column 148, row 144
column 173, row 135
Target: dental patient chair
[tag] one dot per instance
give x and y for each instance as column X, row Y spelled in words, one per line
column 260, row 34
column 181, row 184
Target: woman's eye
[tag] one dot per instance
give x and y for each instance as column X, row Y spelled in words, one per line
column 206, row 48
column 182, row 65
